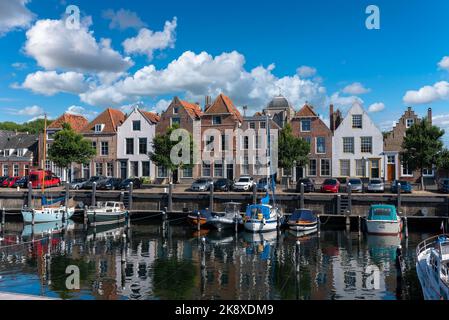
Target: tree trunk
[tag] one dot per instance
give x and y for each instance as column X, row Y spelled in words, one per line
column 422, row 180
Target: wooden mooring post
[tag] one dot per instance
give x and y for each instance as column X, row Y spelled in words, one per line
column 93, row 200
column 399, row 200
column 85, row 218
column 130, row 196
column 255, row 194
column 349, row 197
column 301, row 199
column 30, row 195
column 211, row 197
column 170, row 197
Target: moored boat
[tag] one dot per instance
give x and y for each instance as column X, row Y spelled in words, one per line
column 200, row 217
column 262, row 218
column 106, row 213
column 383, row 220
column 47, row 214
column 432, row 267
column 303, row 220
column 227, row 219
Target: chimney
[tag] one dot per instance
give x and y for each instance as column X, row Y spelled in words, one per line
column 244, row 110
column 429, row 115
column 207, row 102
column 331, row 118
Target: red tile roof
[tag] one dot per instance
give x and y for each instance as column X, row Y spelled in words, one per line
column 223, row 104
column 151, row 116
column 306, row 111
column 77, row 122
column 111, row 118
column 193, row 109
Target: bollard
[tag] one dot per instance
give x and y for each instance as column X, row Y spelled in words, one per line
column 85, row 217
column 3, row 218
column 319, row 225
column 30, row 194
column 198, row 221
column 211, row 197
column 170, row 197
column 95, row 219
column 255, row 194
column 94, row 191
column 399, row 197
column 236, row 221
column 349, row 197
column 301, row 203
column 32, row 217
column 338, row 204
column 122, row 197
column 130, row 196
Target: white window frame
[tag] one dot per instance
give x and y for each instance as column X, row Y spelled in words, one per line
column 348, row 161
column 316, row 145
column 184, row 171
column 353, row 122
column 164, row 171
column 316, row 168
column 362, row 164
column 310, row 127
column 427, row 174
column 171, row 121
column 362, row 144
column 321, row 167
column 353, row 144
column 15, row 170
column 99, row 127
column 407, row 125
column 203, row 165
column 405, row 175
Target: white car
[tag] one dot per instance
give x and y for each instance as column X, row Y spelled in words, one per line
column 244, row 183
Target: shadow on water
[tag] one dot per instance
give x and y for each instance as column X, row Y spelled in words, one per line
column 171, row 262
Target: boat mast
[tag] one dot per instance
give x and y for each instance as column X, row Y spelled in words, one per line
column 45, row 155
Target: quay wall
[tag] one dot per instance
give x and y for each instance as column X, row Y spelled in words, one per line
column 411, row 205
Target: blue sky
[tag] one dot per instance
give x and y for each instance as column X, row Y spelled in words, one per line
column 249, row 50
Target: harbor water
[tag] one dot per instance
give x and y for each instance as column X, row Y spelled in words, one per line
column 173, row 261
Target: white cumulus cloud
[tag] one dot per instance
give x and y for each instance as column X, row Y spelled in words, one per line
column 444, row 63
column 78, row 110
column 306, row 71
column 14, row 15
column 56, row 47
column 31, row 111
column 376, row 107
column 123, row 19
column 50, row 82
column 427, row 94
column 355, row 88
column 148, row 41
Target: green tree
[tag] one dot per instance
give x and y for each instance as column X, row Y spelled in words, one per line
column 70, row 147
column 163, row 144
column 422, row 147
column 292, row 150
column 32, row 127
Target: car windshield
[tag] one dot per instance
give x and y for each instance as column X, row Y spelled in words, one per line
column 263, row 180
column 376, row 181
column 244, row 180
column 355, row 181
column 330, row 182
column 304, row 181
column 201, row 181
column 78, row 180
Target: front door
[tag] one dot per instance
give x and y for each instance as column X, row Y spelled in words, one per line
column 123, row 169
column 230, row 171
column 391, row 172
column 175, row 176
column 374, row 168
column 299, row 173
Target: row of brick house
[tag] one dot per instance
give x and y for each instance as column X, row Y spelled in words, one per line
column 351, row 146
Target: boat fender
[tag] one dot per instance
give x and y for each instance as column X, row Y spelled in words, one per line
column 263, row 221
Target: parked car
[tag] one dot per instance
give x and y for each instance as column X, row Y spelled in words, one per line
column 9, row 183
column 77, row 184
column 309, row 185
column 406, row 186
column 330, row 185
column 202, row 184
column 244, row 183
column 443, row 185
column 125, row 184
column 356, row 185
column 2, row 179
column 88, row 185
column 262, row 185
column 21, row 183
column 223, row 185
column 109, row 184
column 376, row 185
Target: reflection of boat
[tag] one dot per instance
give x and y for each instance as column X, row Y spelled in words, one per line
column 255, row 238
column 383, row 241
column 202, row 217
column 302, row 234
column 303, row 220
column 228, row 218
column 432, row 266
column 46, row 228
column 106, row 231
column 106, row 213
column 49, row 211
column 383, row 219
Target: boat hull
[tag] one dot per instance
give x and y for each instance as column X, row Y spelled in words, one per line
column 254, row 225
column 193, row 220
column 100, row 218
column 432, row 286
column 384, row 227
column 302, row 226
column 221, row 223
column 46, row 214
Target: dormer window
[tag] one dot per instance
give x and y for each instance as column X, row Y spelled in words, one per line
column 306, row 125
column 357, row 121
column 99, row 127
column 409, row 122
column 136, row 125
column 7, row 152
column 21, row 152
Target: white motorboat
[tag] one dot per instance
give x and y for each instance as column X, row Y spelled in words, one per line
column 262, row 218
column 106, row 213
column 432, row 267
column 383, row 220
column 227, row 219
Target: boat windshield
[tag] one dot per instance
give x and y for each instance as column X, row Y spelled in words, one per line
column 110, row 204
column 383, row 212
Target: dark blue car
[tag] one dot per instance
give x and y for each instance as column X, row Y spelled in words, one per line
column 406, row 187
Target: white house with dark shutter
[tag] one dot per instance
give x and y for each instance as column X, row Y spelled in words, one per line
column 134, row 142
column 357, row 146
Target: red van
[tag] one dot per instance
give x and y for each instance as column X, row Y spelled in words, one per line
column 50, row 179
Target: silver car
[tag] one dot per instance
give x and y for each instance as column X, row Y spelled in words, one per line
column 202, row 184
column 376, row 185
column 77, row 184
column 356, row 184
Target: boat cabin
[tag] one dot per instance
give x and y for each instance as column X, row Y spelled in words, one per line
column 259, row 211
column 383, row 213
column 303, row 215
